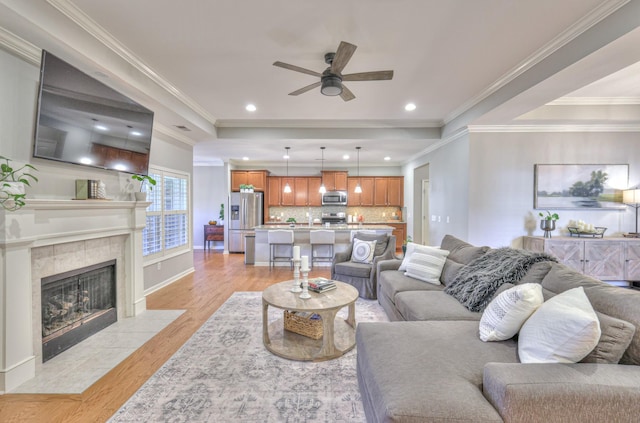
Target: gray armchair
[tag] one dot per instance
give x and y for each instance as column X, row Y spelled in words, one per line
column 363, row 276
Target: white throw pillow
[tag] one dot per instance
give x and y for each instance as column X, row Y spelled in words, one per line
column 412, row 247
column 506, row 313
column 363, row 251
column 426, row 267
column 564, row 329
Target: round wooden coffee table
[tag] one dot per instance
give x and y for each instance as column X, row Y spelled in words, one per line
column 338, row 335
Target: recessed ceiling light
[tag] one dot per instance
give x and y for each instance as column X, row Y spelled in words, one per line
column 101, row 127
column 136, row 133
column 387, row 158
column 251, row 108
column 345, row 157
column 410, row 107
column 245, row 158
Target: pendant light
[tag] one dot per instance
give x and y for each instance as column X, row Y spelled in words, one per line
column 322, row 189
column 287, row 188
column 358, row 189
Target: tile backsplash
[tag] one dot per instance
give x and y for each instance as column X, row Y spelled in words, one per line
column 301, row 214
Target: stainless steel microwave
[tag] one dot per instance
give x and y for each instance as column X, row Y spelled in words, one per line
column 334, row 198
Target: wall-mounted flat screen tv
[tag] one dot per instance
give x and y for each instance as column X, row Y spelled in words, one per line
column 80, row 120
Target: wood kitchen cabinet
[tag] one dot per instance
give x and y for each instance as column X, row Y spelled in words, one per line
column 366, row 197
column 287, row 198
column 274, row 193
column 314, row 198
column 607, row 259
column 305, row 191
column 400, row 231
column 388, row 191
column 257, row 178
column 335, row 180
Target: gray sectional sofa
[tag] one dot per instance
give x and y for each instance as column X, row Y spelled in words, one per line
column 429, row 365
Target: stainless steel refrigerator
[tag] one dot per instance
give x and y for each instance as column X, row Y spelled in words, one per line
column 245, row 213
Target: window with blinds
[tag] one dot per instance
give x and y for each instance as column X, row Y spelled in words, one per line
column 167, row 227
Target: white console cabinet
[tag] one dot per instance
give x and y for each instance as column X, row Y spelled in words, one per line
column 607, row 259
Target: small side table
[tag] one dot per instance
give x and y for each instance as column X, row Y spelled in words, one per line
column 212, row 233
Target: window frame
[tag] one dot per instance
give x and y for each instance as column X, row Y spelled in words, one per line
column 160, row 173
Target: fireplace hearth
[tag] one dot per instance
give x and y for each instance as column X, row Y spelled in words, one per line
column 75, row 305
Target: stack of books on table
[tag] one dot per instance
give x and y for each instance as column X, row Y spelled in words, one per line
column 321, row 285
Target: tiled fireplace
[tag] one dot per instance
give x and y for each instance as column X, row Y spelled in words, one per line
column 59, row 237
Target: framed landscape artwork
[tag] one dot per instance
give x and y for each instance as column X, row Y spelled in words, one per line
column 579, row 186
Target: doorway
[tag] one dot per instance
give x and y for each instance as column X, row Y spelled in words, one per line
column 425, row 212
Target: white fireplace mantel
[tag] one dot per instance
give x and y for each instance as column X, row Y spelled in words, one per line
column 51, row 222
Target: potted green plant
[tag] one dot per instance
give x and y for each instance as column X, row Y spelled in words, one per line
column 292, row 221
column 246, row 188
column 13, row 182
column 404, row 244
column 144, row 179
column 548, row 222
column 221, row 214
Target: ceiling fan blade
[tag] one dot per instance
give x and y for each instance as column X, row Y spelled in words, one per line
column 368, row 76
column 297, row 69
column 343, row 54
column 307, row 88
column 346, row 94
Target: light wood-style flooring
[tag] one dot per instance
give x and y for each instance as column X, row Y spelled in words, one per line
column 216, row 277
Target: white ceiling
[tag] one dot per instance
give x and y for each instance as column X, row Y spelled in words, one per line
column 211, row 58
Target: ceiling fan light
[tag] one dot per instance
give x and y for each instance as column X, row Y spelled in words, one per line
column 331, row 86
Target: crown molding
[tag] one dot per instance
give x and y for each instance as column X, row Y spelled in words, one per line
column 321, row 123
column 559, row 41
column 165, row 130
column 556, row 128
column 437, row 145
column 70, row 10
column 21, row 48
column 595, row 101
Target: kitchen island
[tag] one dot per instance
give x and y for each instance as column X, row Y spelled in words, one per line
column 301, row 238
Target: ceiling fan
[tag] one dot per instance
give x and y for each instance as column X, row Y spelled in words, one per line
column 332, row 77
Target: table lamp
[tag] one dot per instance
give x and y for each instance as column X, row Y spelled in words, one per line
column 631, row 197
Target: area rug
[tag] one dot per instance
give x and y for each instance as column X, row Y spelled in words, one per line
column 225, row 374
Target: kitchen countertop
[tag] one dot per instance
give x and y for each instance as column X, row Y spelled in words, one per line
column 301, row 227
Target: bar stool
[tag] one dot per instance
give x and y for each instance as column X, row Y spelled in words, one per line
column 324, row 240
column 280, row 241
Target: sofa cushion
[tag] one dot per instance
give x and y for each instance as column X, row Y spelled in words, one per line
column 363, row 251
column 614, row 340
column 391, row 282
column 431, row 305
column 507, row 312
column 449, row 271
column 427, row 266
column 412, row 248
column 563, row 330
column 426, row 371
column 349, row 268
column 460, row 251
column 613, row 301
column 381, row 241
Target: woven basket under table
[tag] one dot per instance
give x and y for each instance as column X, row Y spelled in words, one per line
column 303, row 324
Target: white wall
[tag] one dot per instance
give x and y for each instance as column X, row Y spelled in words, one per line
column 448, row 196
column 210, row 189
column 501, row 180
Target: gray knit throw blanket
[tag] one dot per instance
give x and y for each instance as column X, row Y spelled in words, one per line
column 476, row 283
